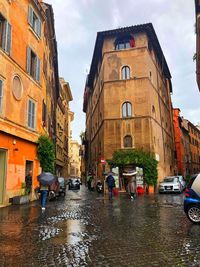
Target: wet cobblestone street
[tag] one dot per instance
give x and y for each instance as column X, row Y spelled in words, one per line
column 83, row 229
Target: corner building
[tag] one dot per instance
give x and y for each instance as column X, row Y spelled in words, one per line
column 127, row 98
column 23, row 93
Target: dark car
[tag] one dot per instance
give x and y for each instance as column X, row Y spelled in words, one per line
column 192, row 199
column 74, row 184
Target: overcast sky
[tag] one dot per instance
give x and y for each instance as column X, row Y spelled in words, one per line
column 77, row 24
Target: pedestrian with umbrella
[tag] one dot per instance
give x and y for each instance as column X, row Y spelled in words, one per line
column 45, row 179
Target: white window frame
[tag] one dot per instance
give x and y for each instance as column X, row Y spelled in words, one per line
column 126, row 73
column 31, row 121
column 34, row 21
column 34, row 73
column 127, row 105
column 132, row 145
column 6, row 36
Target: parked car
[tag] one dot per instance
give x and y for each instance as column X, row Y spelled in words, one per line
column 74, row 184
column 170, row 184
column 182, row 181
column 192, row 199
column 62, row 183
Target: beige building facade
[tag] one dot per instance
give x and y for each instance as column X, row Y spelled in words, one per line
column 75, row 159
column 64, row 118
column 127, row 98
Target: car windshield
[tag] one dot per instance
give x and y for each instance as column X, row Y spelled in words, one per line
column 169, row 180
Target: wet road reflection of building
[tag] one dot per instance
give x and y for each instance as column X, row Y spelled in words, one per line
column 83, row 229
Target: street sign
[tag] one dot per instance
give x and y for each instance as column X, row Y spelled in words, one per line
column 103, row 161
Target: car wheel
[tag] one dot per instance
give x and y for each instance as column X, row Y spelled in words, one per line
column 193, row 213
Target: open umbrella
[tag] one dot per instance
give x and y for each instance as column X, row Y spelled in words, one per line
column 46, row 178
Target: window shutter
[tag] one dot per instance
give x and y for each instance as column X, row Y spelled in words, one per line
column 37, row 70
column 30, row 16
column 28, row 60
column 33, row 116
column 29, row 113
column 38, row 27
column 4, row 37
column 8, row 38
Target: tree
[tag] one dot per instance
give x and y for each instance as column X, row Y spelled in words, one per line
column 46, row 153
column 139, row 158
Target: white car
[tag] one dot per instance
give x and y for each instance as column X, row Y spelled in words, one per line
column 170, row 184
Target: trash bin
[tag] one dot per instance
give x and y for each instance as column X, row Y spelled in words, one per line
column 140, row 190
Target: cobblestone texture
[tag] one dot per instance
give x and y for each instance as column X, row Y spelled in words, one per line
column 84, row 229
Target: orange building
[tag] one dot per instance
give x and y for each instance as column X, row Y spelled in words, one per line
column 127, row 99
column 23, row 92
column 187, row 141
column 181, row 132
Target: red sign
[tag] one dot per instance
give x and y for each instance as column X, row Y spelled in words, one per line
column 103, row 161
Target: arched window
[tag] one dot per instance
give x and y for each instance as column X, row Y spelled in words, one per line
column 125, row 73
column 126, row 110
column 128, row 141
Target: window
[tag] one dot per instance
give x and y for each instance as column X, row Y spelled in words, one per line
column 1, row 96
column 124, row 42
column 128, row 141
column 125, row 73
column 31, row 114
column 5, row 35
column 17, row 88
column 126, row 109
column 44, row 108
column 33, row 64
column 34, row 21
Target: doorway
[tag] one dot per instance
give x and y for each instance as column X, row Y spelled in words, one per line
column 2, row 174
column 28, row 167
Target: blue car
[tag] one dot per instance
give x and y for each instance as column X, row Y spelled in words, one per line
column 192, row 199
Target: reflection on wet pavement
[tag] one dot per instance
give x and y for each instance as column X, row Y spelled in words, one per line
column 84, row 229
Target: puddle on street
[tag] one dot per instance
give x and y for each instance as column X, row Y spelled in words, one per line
column 69, row 232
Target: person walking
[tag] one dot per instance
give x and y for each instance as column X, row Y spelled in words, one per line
column 44, row 190
column 132, row 187
column 110, row 180
column 89, row 181
column 28, row 182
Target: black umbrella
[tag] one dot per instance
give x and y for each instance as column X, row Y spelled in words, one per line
column 46, row 178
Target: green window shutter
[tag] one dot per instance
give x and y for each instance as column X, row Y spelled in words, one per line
column 30, row 16
column 28, row 60
column 37, row 72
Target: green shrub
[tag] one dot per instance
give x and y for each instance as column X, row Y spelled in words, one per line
column 138, row 158
column 46, row 153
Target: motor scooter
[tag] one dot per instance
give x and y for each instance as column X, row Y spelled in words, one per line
column 99, row 187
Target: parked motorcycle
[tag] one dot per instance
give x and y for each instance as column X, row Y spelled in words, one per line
column 99, row 187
